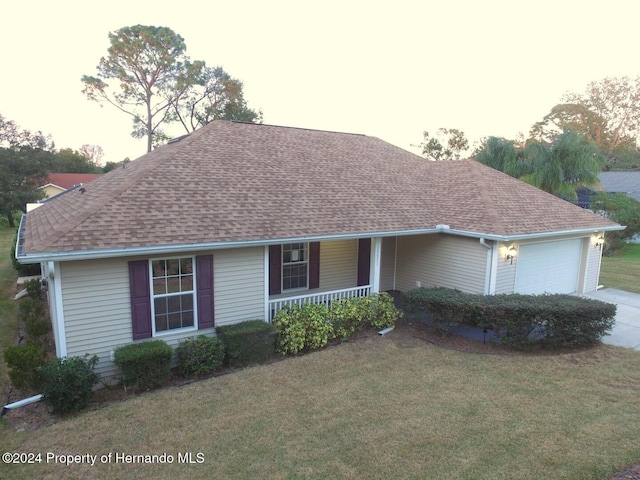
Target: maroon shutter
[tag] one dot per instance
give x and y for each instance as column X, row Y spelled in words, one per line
column 275, row 269
column 140, row 299
column 204, row 285
column 364, row 261
column 314, row 265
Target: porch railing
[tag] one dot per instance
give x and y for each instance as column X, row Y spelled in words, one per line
column 320, row 298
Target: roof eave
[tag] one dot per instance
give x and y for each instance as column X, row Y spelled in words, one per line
column 97, row 254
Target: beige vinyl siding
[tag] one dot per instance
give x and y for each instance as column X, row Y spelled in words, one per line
column 592, row 273
column 441, row 260
column 238, row 285
column 387, row 264
column 97, row 308
column 338, row 264
column 506, row 271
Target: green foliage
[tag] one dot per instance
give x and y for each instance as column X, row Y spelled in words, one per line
column 517, row 320
column 448, row 144
column 345, row 315
column 24, row 362
column 157, row 84
column 569, row 162
column 199, row 356
column 23, row 270
column 311, row 326
column 622, row 209
column 144, row 365
column 33, row 313
column 67, row 383
column 33, row 288
column 247, row 342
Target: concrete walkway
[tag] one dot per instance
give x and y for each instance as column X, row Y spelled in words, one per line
column 626, row 330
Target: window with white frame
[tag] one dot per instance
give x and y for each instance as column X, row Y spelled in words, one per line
column 295, row 266
column 173, row 292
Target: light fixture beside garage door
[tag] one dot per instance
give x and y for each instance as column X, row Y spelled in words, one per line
column 512, row 251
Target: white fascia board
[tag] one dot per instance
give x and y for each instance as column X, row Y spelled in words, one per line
column 196, row 247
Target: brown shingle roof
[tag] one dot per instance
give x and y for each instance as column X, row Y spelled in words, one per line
column 230, row 182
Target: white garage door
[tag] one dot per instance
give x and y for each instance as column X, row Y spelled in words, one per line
column 548, row 267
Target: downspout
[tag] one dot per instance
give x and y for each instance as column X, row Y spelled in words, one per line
column 490, row 277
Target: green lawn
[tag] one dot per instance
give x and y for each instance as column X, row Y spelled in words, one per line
column 622, row 271
column 8, row 310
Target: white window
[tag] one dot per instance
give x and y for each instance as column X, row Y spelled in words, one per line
column 173, row 294
column 295, row 266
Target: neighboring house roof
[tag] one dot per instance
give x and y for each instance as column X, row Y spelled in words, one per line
column 67, row 180
column 621, row 182
column 235, row 183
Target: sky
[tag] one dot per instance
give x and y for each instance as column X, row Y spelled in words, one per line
column 389, row 69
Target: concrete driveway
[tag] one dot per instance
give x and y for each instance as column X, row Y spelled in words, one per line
column 626, row 330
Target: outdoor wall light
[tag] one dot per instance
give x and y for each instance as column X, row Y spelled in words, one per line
column 599, row 240
column 511, row 253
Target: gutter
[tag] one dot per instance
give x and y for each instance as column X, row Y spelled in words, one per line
column 195, row 247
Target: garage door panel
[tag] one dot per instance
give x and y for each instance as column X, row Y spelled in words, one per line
column 548, row 267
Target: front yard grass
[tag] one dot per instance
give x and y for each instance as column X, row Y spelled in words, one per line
column 622, row 271
column 379, row 407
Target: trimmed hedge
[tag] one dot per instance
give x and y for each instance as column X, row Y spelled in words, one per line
column 144, row 365
column 518, row 320
column 245, row 343
column 199, row 356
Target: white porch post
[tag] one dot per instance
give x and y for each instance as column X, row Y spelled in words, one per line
column 376, row 255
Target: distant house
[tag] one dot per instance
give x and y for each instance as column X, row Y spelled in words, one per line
column 621, row 182
column 59, row 182
column 235, row 220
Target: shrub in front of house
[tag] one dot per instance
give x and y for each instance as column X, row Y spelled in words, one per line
column 246, row 343
column 302, row 327
column 144, row 365
column 198, row 356
column 33, row 313
column 24, row 362
column 67, row 383
column 518, row 320
column 311, row 326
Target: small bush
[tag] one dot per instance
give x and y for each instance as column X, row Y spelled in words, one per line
column 67, row 383
column 144, row 365
column 199, row 356
column 382, row 313
column 24, row 362
column 33, row 288
column 247, row 342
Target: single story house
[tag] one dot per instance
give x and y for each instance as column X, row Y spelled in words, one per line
column 57, row 183
column 235, row 220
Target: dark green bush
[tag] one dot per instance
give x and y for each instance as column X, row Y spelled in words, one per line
column 24, row 362
column 36, row 323
column 23, row 270
column 144, row 365
column 67, row 383
column 199, row 356
column 33, row 288
column 518, row 320
column 247, row 342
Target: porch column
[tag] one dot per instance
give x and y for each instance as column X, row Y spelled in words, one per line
column 376, row 255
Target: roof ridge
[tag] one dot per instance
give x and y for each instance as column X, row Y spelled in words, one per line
column 292, row 128
column 485, row 195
